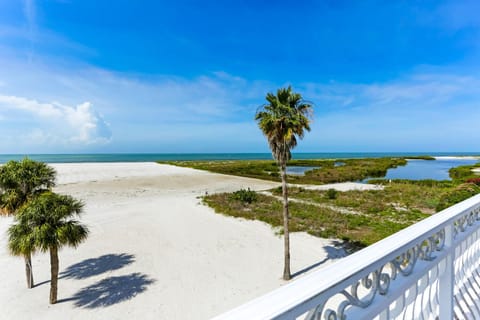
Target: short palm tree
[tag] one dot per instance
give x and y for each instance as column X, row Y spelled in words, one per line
column 282, row 120
column 21, row 181
column 47, row 223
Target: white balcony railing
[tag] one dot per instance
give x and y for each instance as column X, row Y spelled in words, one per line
column 429, row 270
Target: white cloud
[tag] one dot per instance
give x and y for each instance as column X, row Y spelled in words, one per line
column 434, row 111
column 214, row 112
column 53, row 123
column 138, row 108
column 165, row 98
column 427, row 89
column 30, row 106
column 419, row 92
column 206, row 98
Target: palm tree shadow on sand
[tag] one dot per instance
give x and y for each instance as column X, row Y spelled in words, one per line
column 111, row 290
column 336, row 251
column 95, row 266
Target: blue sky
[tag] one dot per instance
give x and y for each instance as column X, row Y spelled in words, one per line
column 188, row 76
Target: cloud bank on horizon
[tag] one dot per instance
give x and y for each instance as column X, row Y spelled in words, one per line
column 383, row 77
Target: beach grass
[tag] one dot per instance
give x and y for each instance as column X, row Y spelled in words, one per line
column 356, row 229
column 408, row 197
column 329, row 171
column 360, row 217
column 463, row 173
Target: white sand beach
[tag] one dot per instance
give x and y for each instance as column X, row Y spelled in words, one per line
column 457, row 158
column 154, row 251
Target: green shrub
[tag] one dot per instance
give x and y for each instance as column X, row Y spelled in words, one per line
column 461, row 173
column 332, row 194
column 245, row 196
column 462, row 192
column 278, row 190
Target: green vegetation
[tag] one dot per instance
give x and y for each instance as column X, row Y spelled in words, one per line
column 332, row 194
column 21, row 182
column 421, row 158
column 260, row 169
column 358, row 230
column 358, row 217
column 44, row 221
column 458, row 194
column 48, row 223
column 409, row 198
column 350, row 170
column 463, row 173
column 245, row 196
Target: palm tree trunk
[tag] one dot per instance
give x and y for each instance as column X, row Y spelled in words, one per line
column 54, row 274
column 286, row 234
column 29, row 270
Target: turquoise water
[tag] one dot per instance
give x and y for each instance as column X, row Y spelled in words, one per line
column 140, row 157
column 414, row 170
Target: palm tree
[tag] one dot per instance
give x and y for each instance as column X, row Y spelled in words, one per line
column 47, row 223
column 20, row 182
column 283, row 120
column 23, row 180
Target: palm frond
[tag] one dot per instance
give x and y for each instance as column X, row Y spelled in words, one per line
column 20, row 240
column 283, row 120
column 21, row 181
column 49, row 221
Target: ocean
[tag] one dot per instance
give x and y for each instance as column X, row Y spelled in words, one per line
column 146, row 157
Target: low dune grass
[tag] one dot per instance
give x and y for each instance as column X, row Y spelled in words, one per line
column 358, row 230
column 329, row 172
column 358, row 217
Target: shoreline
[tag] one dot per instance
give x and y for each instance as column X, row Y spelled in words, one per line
column 153, row 157
column 457, row 158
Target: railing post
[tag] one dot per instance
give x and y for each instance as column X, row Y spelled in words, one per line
column 447, row 279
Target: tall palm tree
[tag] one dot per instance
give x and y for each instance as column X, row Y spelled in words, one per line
column 20, row 182
column 48, row 223
column 283, row 120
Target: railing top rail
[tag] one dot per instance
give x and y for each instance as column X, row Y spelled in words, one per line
column 334, row 276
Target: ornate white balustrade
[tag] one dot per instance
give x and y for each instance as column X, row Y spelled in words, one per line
column 429, row 270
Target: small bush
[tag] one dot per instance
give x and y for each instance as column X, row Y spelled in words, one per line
column 245, row 196
column 332, row 194
column 461, row 173
column 462, row 192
